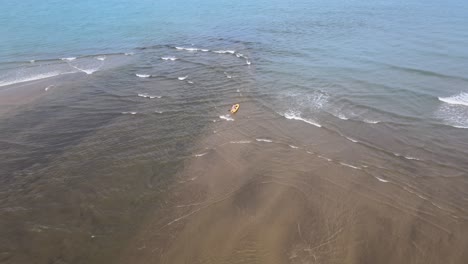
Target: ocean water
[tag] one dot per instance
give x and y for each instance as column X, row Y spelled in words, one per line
column 115, row 134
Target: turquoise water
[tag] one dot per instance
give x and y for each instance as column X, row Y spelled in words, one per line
column 125, row 94
column 51, row 28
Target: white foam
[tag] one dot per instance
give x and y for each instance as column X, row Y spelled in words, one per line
column 182, row 78
column 293, row 115
column 309, row 102
column 382, row 180
column 201, row 154
column 32, row 61
column 191, row 49
column 143, row 75
column 293, row 147
column 69, row 59
column 225, row 51
column 241, row 142
column 264, row 140
column 188, row 49
column 226, row 117
column 190, row 82
column 87, row 71
column 227, row 75
column 129, row 113
column 370, row 121
column 454, row 114
column 351, row 139
column 158, row 112
column 240, row 55
column 129, row 53
column 169, row 58
column 342, row 117
column 410, row 158
column 238, row 90
column 48, row 87
column 30, row 78
column 325, row 158
column 406, row 157
column 101, row 58
column 349, row 165
column 459, row 99
column 148, row 96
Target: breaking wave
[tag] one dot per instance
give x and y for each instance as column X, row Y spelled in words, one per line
column 459, row 99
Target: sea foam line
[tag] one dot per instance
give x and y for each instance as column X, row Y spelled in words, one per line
column 31, row 78
column 380, row 179
column 87, row 71
column 297, row 116
column 263, row 140
column 351, row 139
column 349, row 165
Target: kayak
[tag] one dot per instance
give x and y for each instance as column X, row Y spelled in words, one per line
column 234, row 108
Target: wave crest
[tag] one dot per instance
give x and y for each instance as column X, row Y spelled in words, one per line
column 459, row 99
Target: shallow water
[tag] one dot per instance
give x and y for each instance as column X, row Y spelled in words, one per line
column 350, row 145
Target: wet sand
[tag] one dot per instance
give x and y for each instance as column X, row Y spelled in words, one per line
column 251, row 201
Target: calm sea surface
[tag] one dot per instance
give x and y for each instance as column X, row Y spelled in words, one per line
column 123, row 96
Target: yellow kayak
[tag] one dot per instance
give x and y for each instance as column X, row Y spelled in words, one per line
column 234, row 108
